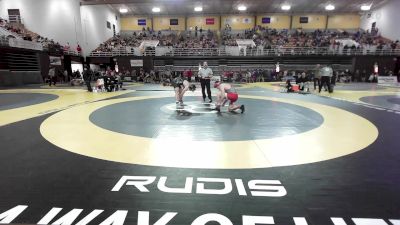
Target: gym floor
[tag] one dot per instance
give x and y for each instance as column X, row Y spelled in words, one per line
column 289, row 159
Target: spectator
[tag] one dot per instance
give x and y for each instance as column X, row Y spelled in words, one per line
column 189, row 75
column 79, row 49
column 87, row 77
column 52, row 76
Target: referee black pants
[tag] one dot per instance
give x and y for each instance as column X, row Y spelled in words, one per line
column 325, row 80
column 205, row 83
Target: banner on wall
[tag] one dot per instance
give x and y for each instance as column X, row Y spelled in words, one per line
column 303, row 19
column 173, row 22
column 266, row 20
column 141, row 22
column 210, row 21
column 246, row 20
column 55, row 61
column 383, row 80
column 136, row 62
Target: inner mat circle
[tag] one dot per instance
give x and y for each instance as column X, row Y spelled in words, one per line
column 263, row 119
column 17, row 100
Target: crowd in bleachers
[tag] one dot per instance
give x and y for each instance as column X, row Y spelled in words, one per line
column 198, row 38
column 190, row 40
column 270, row 38
column 128, row 41
column 264, row 38
column 185, row 40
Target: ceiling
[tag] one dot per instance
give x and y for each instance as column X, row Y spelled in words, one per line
column 186, row 7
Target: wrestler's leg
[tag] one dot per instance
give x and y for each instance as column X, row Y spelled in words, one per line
column 182, row 93
column 177, row 95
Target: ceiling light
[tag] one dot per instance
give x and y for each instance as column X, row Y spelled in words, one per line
column 365, row 7
column 242, row 8
column 285, row 7
column 330, row 7
column 198, row 9
column 123, row 10
column 156, row 9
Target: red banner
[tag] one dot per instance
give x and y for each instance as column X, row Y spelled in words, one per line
column 210, row 21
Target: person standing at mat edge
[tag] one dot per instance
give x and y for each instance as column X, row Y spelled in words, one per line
column 87, row 77
column 205, row 75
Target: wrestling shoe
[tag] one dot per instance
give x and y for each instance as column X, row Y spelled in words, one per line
column 242, row 108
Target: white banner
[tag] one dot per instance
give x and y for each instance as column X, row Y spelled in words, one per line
column 387, row 80
column 348, row 42
column 16, row 43
column 149, row 43
column 245, row 42
column 137, row 63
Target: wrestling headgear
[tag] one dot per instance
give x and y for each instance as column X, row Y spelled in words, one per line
column 192, row 87
column 216, row 84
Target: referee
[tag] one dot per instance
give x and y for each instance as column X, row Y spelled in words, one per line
column 205, row 75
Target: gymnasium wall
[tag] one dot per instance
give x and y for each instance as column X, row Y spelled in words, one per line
column 349, row 21
column 59, row 20
column 163, row 23
column 238, row 22
column 131, row 23
column 314, row 22
column 94, row 25
column 205, row 22
column 386, row 17
column 66, row 21
column 277, row 21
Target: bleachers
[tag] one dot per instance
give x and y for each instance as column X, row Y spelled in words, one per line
column 267, row 43
column 7, row 33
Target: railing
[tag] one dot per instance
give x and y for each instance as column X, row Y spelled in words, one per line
column 17, row 43
column 5, row 32
column 72, row 52
column 235, row 51
column 286, row 51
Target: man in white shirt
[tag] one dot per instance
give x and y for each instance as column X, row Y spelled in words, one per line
column 326, row 73
column 205, row 75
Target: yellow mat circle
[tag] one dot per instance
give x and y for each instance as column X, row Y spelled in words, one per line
column 341, row 133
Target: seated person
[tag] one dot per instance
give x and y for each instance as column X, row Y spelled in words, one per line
column 302, row 81
column 227, row 92
column 100, row 84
